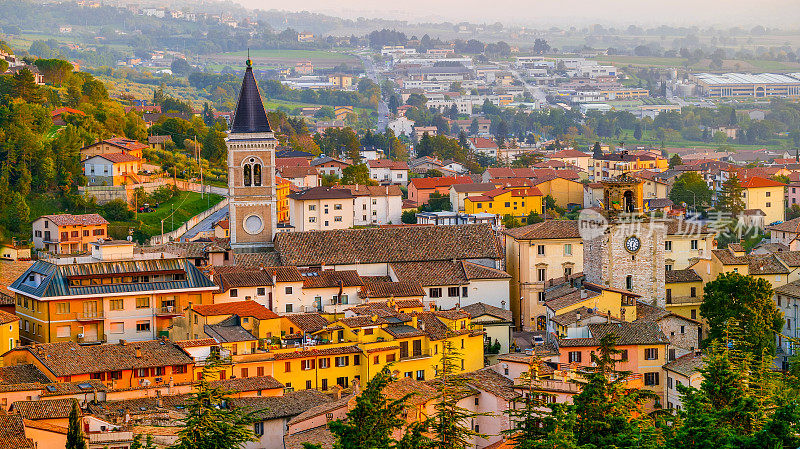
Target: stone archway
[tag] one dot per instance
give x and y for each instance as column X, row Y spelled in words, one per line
column 628, row 204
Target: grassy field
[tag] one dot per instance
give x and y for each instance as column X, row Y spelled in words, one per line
column 174, row 212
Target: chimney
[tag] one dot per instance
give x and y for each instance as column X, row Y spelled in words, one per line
column 356, row 187
column 138, row 352
column 584, row 293
column 122, row 342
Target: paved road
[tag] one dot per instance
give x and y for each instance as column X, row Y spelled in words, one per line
column 206, row 224
column 372, row 73
column 535, row 90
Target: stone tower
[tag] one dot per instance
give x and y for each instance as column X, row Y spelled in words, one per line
column 251, row 171
column 627, row 251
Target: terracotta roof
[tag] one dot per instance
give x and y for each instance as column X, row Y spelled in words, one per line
column 420, row 392
column 196, row 343
column 687, row 364
column 677, row 276
column 636, row 333
column 19, row 374
column 320, row 436
column 387, row 163
column 483, row 143
column 315, row 352
column 159, row 139
column 480, row 309
column 472, row 188
column 68, row 358
column 331, row 278
column 72, row 388
column 572, row 298
column 321, row 409
column 362, row 190
column 548, row 229
column 241, row 308
column 247, row 384
column 444, row 272
column 505, row 172
column 267, row 258
column 243, row 278
column 372, row 289
column 289, row 405
column 308, row 322
column 6, row 317
column 757, row 182
column 442, row 181
column 571, row 317
column 361, row 321
column 282, row 273
column 72, row 220
column 790, row 289
column 281, row 162
column 387, row 245
column 12, row 433
column 118, row 158
column 44, row 409
column 792, row 225
column 569, row 152
column 435, row 328
column 490, row 381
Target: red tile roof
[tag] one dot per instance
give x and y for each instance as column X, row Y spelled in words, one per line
column 281, row 162
column 757, row 181
column 569, row 153
column 72, row 220
column 443, row 181
column 59, row 111
column 241, row 308
column 117, row 158
column 387, row 163
column 483, row 143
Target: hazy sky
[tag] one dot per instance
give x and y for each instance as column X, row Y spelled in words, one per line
column 784, row 13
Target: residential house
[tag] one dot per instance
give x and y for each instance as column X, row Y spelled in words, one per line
column 536, row 254
column 303, row 177
column 112, row 169
column 275, row 412
column 420, row 189
column 110, row 295
column 515, row 202
column 420, row 131
column 684, row 370
column 496, row 324
column 58, row 114
column 459, row 192
column 785, row 233
column 484, row 146
column 321, row 209
column 376, row 205
column 159, row 142
column 67, row 233
column 684, row 334
column 113, row 145
column 766, row 195
column 330, row 166
column 573, row 157
column 9, row 331
column 787, row 299
column 387, row 171
column 684, row 293
column 402, row 126
column 616, row 164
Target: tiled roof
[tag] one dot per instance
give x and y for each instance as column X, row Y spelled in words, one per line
column 472, row 188
column 266, row 258
column 289, row 405
column 649, row 312
column 250, row 116
column 320, row 436
column 321, row 193
column 6, row 317
column 362, row 190
column 636, row 333
column 69, row 358
column 678, row 276
column 281, row 162
column 403, row 331
column 571, row 317
column 20, row 374
column 387, row 163
column 228, row 330
column 314, row 352
column 12, row 433
column 431, row 325
column 241, row 308
column 387, row 245
column 159, row 139
column 420, row 392
column 479, row 309
column 73, row 388
column 247, row 384
column 757, row 182
column 483, row 143
column 444, row 272
column 548, row 229
column 687, row 364
column 331, row 278
column 569, row 153
column 373, row 289
column 321, row 409
column 308, row 322
column 442, row 181
column 360, row 321
column 196, row 343
column 792, row 225
column 572, row 298
column 44, row 409
column 790, row 289
column 243, row 278
column 73, row 220
column 490, row 381
column 118, row 158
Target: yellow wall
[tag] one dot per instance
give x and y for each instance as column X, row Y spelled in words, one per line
column 768, row 199
column 9, row 336
column 505, row 204
column 563, row 191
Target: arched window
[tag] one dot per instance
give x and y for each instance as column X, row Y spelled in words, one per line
column 247, row 177
column 257, row 175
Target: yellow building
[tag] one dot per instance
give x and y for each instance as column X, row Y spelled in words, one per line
column 255, row 318
column 564, row 191
column 616, row 164
column 9, row 332
column 766, row 195
column 684, row 293
column 516, row 202
column 613, row 303
column 282, row 191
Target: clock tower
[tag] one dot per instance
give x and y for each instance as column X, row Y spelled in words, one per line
column 251, row 171
column 624, row 248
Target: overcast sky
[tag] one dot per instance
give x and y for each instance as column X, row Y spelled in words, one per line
column 770, row 13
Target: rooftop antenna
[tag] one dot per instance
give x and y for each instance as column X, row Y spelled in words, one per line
column 249, row 63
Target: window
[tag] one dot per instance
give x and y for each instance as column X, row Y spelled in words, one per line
column 376, row 360
column 769, row 204
column 312, row 219
column 542, row 296
column 574, row 357
column 540, row 250
column 63, row 331
column 669, row 383
column 62, row 307
column 694, row 314
column 179, row 369
column 623, row 356
column 234, row 292
column 669, row 296
column 629, row 282
column 567, row 272
column 142, row 326
column 390, row 357
column 306, row 365
column 261, row 291
column 258, row 428
column 452, row 292
column 342, row 361
column 668, row 267
column 99, row 232
column 667, row 245
column 464, row 291
column 342, row 382
column 693, row 292
column 421, row 374
column 650, row 379
column 288, row 290
column 568, row 249
column 117, row 328
column 356, row 359
column 435, row 292
column 541, row 274
column 312, row 207
column 671, row 355
column 337, row 207
column 289, row 308
column 86, row 233
column 287, row 367
column 651, row 353
column 768, row 194
column 115, row 304
column 308, row 385
column 694, row 244
column 142, row 303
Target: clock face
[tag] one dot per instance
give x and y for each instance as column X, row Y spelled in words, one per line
column 632, row 244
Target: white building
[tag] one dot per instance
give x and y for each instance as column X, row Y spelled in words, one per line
column 321, row 209
column 402, row 125
column 376, row 205
column 386, row 171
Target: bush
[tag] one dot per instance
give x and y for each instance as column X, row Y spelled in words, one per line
column 117, row 210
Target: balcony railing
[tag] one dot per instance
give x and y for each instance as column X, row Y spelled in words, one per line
column 90, row 316
column 418, row 355
column 169, row 311
column 108, row 437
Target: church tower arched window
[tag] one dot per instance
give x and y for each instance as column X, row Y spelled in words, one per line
column 247, row 175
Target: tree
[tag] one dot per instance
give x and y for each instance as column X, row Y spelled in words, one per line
column 745, row 303
column 540, row 46
column 637, row 131
column 732, row 120
column 180, row 67
column 75, row 438
column 675, row 160
column 54, row 71
column 720, row 137
column 437, row 202
column 356, row 174
column 690, row 188
column 148, row 444
column 210, row 422
column 371, row 422
column 729, row 198
column 450, row 422
column 597, row 151
column 393, row 104
column 409, row 217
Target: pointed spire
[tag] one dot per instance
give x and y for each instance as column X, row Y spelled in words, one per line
column 250, row 116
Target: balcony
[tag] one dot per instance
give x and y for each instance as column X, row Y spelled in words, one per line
column 114, row 436
column 90, row 316
column 169, row 311
column 417, row 355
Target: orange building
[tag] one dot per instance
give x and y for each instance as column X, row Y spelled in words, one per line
column 283, row 187
column 68, row 234
column 113, row 145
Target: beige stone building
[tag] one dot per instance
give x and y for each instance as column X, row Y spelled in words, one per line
column 321, row 209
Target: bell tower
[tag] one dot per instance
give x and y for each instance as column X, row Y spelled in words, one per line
column 251, row 171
